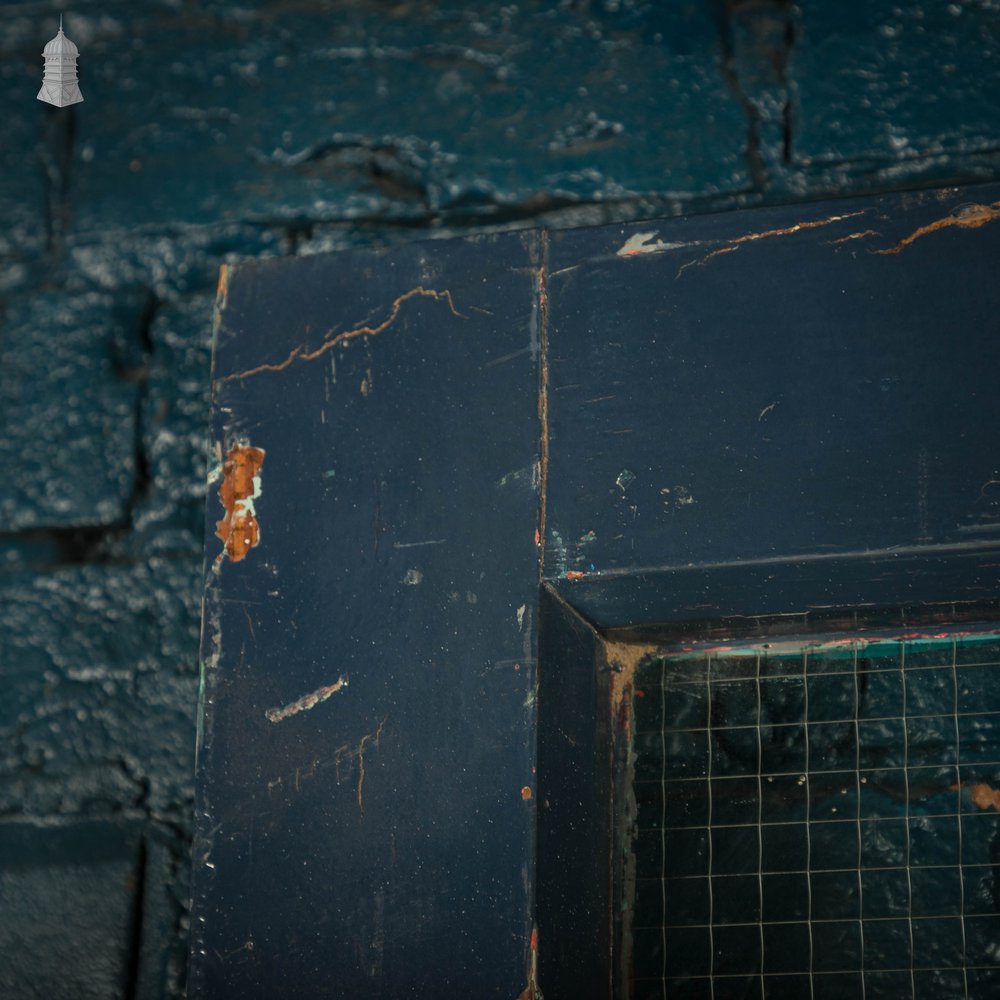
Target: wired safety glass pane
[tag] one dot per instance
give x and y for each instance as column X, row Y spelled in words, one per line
column 818, row 820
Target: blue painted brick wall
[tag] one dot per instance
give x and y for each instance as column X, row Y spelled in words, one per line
column 211, row 132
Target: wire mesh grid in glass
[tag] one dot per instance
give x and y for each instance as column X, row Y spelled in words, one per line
column 821, row 821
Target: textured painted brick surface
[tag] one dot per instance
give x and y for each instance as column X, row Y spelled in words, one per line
column 75, row 904
column 22, row 191
column 369, row 111
column 211, row 132
column 881, row 82
column 98, row 664
column 175, row 411
column 68, row 390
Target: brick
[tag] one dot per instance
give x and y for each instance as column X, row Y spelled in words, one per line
column 71, row 365
column 99, row 666
column 175, row 427
column 885, row 83
column 403, row 115
column 67, row 916
column 23, row 186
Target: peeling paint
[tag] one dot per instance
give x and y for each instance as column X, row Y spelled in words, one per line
column 967, row 217
column 856, row 236
column 559, row 552
column 412, row 577
column 306, row 702
column 531, row 991
column 301, row 354
column 239, row 530
column 678, row 496
column 625, row 479
column 640, row 243
column 222, row 288
column 221, row 298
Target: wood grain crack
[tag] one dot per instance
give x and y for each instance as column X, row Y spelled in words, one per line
column 300, row 353
column 735, row 243
column 966, row 217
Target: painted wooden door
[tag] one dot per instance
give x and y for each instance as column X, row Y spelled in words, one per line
column 464, row 490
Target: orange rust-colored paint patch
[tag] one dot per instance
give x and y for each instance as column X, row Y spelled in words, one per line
column 574, row 574
column 239, row 529
column 983, row 796
column 526, row 793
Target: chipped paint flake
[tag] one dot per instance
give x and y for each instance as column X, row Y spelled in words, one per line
column 967, row 217
column 646, row 243
column 625, row 479
column 239, row 530
column 306, row 702
column 863, row 234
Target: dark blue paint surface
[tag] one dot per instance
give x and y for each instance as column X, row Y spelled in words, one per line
column 770, row 387
column 376, row 843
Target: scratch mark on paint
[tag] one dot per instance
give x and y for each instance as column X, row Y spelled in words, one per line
column 767, row 409
column 520, row 618
column 306, row 702
column 358, row 752
column 565, row 270
column 377, row 736
column 301, row 354
column 366, row 384
column 543, row 391
column 247, row 946
column 509, row 357
column 250, row 623
column 414, row 545
column 967, row 217
column 239, row 530
column 221, row 298
column 987, row 485
column 735, row 243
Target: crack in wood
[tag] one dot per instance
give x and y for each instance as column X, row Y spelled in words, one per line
column 735, row 243
column 301, row 354
column 967, row 217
